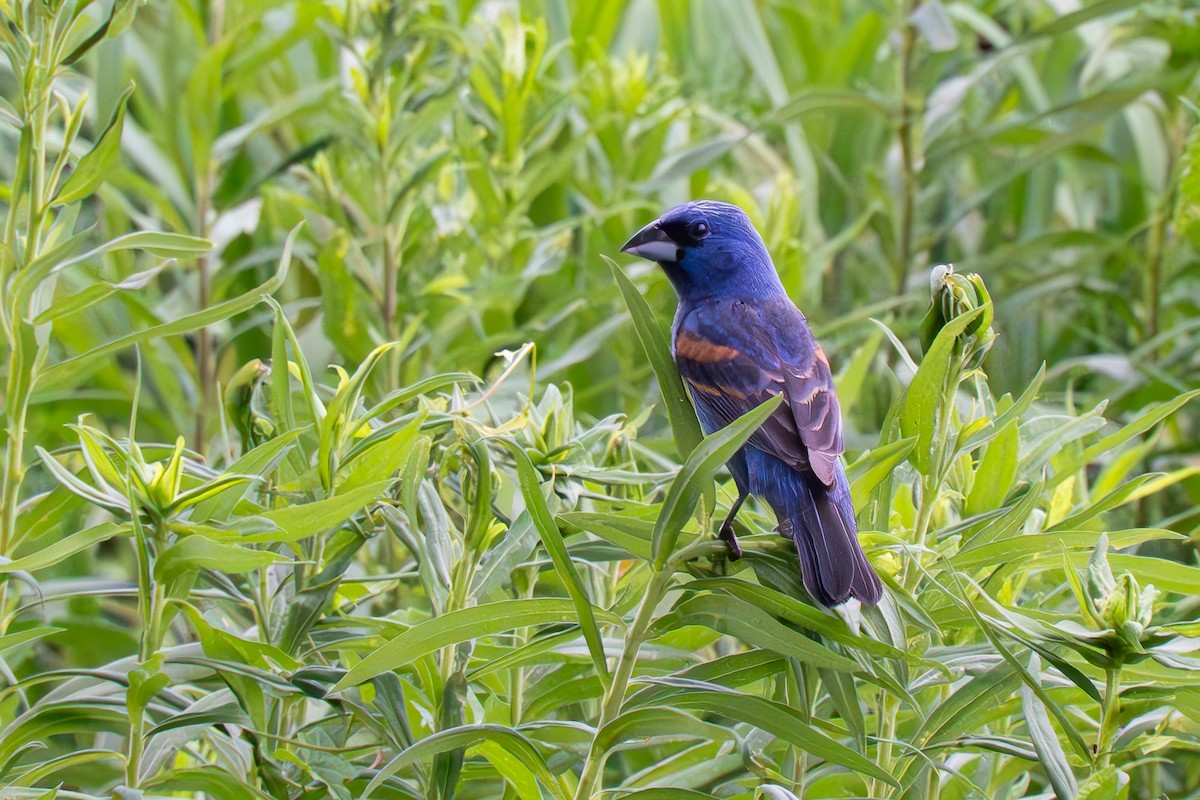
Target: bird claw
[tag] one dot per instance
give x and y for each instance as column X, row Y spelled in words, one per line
column 730, row 539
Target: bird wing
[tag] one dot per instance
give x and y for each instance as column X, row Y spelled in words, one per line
column 735, row 356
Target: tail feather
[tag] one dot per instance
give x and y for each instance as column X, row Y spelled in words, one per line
column 819, row 519
column 832, row 563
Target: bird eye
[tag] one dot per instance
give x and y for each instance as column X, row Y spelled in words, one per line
column 698, row 229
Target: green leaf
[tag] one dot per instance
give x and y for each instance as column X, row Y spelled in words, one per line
column 95, row 166
column 339, row 424
column 1143, row 423
column 875, row 466
column 465, row 736
column 543, row 519
column 66, row 547
column 996, row 473
column 1073, row 20
column 666, row 794
column 297, row 522
column 208, row 781
column 1013, row 413
column 226, row 646
column 281, row 394
column 199, row 552
column 1109, row 783
column 63, row 371
column 924, row 400
column 103, row 497
column 657, row 721
column 205, row 491
column 967, row 709
column 28, row 635
column 631, row 534
column 1025, row 547
column 229, row 713
column 98, row 293
column 67, row 255
column 789, row 608
column 460, row 626
column 381, row 457
column 684, row 425
column 260, row 462
column 775, row 718
column 1169, row 575
column 422, row 388
column 686, row 489
column 993, row 634
column 61, row 764
column 1045, row 740
column 752, row 625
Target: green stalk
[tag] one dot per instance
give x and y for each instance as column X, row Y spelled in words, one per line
column 206, row 367
column 151, row 593
column 205, row 363
column 21, row 376
column 594, row 766
column 137, row 745
column 1153, row 276
column 14, row 464
column 804, row 703
column 151, row 603
column 1160, row 220
column 931, row 483
column 889, row 711
column 391, row 267
column 905, row 135
column 1110, row 714
column 516, row 697
column 38, row 202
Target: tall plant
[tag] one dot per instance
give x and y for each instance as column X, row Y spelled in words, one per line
column 55, row 172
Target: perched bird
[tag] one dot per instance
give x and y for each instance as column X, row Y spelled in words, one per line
column 738, row 340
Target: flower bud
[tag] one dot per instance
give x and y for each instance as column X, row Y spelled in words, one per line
column 1121, row 605
column 952, row 295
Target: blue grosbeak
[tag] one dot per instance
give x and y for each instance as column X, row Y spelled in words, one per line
column 738, row 340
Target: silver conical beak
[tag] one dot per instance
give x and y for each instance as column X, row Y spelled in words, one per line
column 652, row 243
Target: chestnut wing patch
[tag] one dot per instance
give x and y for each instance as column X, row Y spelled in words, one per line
column 806, row 431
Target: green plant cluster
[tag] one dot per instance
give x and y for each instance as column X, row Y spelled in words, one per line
column 339, row 463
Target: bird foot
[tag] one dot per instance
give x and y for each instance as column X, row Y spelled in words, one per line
column 727, row 536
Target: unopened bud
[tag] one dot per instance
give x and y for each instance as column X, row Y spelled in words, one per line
column 952, row 295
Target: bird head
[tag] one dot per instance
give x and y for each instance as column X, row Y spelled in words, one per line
column 708, row 249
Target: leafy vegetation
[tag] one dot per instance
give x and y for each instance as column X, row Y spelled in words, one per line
column 473, row 556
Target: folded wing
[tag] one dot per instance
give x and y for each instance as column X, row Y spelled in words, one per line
column 736, row 356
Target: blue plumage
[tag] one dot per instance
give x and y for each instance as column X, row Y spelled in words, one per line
column 738, row 340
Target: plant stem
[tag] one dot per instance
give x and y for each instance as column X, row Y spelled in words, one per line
column 151, row 603
column 21, row 372
column 206, row 178
column 205, row 364
column 38, row 202
column 151, row 593
column 889, row 710
column 804, row 702
column 594, row 767
column 17, row 396
column 137, row 745
column 931, row 483
column 1110, row 713
column 905, row 136
column 1160, row 219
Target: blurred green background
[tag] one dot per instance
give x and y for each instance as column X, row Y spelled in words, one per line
column 461, row 166
column 457, row 170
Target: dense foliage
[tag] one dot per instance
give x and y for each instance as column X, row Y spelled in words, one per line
column 339, row 462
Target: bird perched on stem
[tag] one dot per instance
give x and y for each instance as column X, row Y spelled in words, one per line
column 738, row 340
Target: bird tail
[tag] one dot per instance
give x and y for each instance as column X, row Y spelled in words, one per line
column 822, row 525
